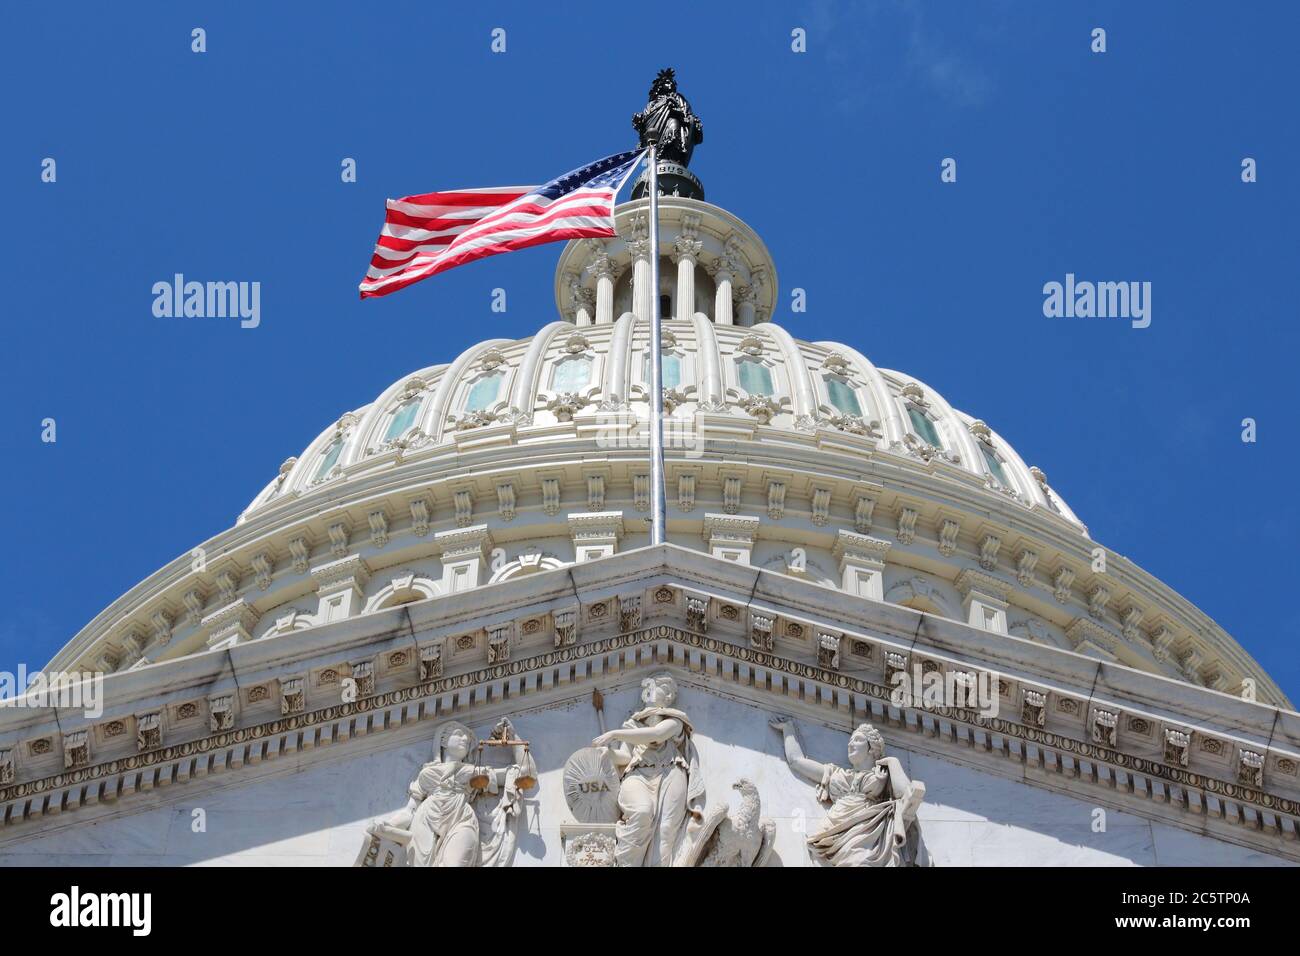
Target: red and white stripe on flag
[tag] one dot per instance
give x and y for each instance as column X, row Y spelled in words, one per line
column 431, row 233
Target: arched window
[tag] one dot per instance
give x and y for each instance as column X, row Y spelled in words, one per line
column 843, row 396
column 918, row 594
column 484, row 392
column 755, row 377
column 403, row 419
column 922, row 603
column 330, row 459
column 924, row 427
column 994, row 466
column 403, row 589
column 671, row 367
column 572, row 373
column 398, row 598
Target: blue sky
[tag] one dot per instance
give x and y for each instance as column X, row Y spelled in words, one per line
column 225, row 166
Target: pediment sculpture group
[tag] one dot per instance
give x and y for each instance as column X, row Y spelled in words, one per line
column 637, row 798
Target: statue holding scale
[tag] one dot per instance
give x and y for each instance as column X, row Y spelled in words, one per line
column 459, row 813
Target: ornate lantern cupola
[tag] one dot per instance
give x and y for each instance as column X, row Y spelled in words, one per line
column 713, row 266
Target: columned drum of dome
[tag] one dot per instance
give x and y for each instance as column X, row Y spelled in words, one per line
column 463, row 559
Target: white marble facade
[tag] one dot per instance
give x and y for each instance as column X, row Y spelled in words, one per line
column 472, row 545
column 317, row 815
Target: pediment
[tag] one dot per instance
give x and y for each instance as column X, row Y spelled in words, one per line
column 344, row 795
column 744, row 645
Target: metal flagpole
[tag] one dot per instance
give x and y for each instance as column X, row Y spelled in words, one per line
column 657, row 501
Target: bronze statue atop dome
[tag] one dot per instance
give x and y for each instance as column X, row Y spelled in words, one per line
column 668, row 121
column 669, row 124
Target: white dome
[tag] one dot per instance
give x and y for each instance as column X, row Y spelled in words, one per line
column 582, row 364
column 795, row 457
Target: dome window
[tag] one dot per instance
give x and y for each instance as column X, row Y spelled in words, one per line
column 671, row 367
column 331, row 458
column 755, row 377
column 924, row 427
column 995, row 466
column 403, row 419
column 572, row 374
column 484, row 392
column 843, row 396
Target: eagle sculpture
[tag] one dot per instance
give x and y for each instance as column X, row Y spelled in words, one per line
column 736, row 836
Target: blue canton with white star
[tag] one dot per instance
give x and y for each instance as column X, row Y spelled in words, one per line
column 604, row 173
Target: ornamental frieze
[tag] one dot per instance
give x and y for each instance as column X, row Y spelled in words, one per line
column 319, row 720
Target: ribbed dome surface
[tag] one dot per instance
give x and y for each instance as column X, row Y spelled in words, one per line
column 760, row 375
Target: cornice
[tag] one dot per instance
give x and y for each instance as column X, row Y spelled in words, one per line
column 729, row 526
column 971, row 580
column 410, row 480
column 349, row 569
column 597, row 524
column 796, row 595
column 458, row 542
column 861, row 546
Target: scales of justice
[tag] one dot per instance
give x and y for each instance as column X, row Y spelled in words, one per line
column 460, row 812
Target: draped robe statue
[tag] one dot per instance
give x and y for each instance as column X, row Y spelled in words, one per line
column 661, row 788
column 668, row 121
column 871, row 819
column 450, row 818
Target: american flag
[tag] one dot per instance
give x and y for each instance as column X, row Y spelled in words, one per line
column 432, row 233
